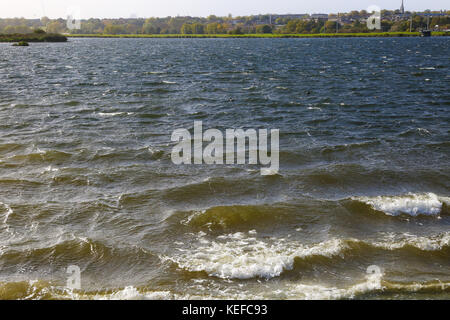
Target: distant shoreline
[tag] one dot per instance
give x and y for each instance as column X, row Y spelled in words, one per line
column 32, row 37
column 317, row 35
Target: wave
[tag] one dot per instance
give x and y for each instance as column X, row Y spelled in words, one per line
column 41, row 156
column 73, row 103
column 5, row 213
column 428, row 204
column 415, row 132
column 10, row 147
column 430, row 243
column 349, row 147
column 202, row 189
column 152, row 115
column 129, row 154
column 28, row 290
column 19, row 182
column 83, row 251
column 46, row 290
column 155, row 72
column 244, row 256
column 246, row 217
column 372, row 284
column 236, row 216
column 113, row 114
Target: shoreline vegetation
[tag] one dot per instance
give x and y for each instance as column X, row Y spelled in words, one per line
column 21, row 44
column 37, row 36
column 263, row 35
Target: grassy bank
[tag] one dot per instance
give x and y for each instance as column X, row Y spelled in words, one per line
column 33, row 37
column 318, row 35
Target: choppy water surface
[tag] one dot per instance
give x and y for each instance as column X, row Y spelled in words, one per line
column 86, row 177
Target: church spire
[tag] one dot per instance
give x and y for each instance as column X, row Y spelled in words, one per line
column 402, row 8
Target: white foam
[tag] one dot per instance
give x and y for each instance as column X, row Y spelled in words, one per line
column 415, row 287
column 127, row 293
column 110, row 114
column 209, row 290
column 432, row 243
column 131, row 293
column 245, row 256
column 8, row 212
column 411, row 204
column 113, row 114
column 50, row 169
column 242, row 256
column 306, row 291
column 318, row 292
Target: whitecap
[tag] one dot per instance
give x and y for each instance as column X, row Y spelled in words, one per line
column 110, row 114
column 8, row 212
column 372, row 283
column 131, row 293
column 243, row 256
column 50, row 169
column 410, row 204
column 430, row 243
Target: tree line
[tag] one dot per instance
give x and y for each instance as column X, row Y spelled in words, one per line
column 353, row 22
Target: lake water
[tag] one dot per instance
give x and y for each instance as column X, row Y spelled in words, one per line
column 86, row 176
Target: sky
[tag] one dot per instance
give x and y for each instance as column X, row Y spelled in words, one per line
column 203, row 8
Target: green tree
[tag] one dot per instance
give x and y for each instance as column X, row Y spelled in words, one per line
column 131, row 29
column 55, row 27
column 291, row 26
column 198, row 28
column 186, row 29
column 237, row 30
column 114, row 29
column 175, row 24
column 264, row 29
column 212, row 28
column 150, row 27
column 330, row 26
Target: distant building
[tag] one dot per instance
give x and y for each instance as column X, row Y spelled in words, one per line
column 319, row 16
column 402, row 8
column 290, row 16
column 236, row 21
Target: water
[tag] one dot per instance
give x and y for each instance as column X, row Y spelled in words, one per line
column 86, row 176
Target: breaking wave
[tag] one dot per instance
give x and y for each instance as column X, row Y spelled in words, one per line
column 372, row 284
column 244, row 256
column 428, row 204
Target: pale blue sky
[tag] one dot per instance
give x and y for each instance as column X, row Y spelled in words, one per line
column 162, row 8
